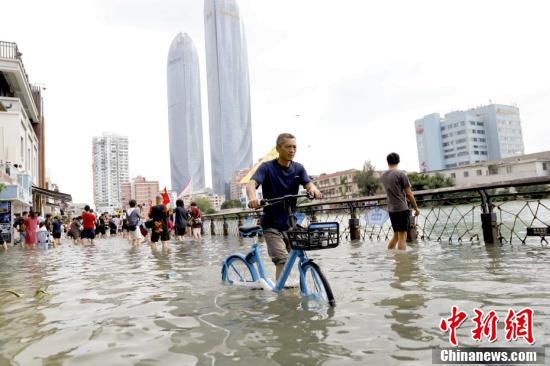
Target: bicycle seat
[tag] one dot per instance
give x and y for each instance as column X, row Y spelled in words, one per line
column 249, row 230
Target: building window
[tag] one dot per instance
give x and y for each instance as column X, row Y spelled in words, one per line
column 453, row 175
column 544, row 166
column 508, row 169
column 466, row 174
column 479, row 172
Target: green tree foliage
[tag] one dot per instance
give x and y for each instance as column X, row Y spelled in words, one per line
column 533, row 190
column 204, row 205
column 231, row 204
column 367, row 181
column 421, row 181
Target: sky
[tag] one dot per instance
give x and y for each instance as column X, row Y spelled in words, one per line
column 348, row 78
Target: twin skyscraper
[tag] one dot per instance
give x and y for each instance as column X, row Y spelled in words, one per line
column 228, row 102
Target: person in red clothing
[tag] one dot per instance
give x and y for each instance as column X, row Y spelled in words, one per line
column 31, row 223
column 88, row 224
column 196, row 220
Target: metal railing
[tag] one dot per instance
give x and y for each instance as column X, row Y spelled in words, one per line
column 9, row 50
column 488, row 212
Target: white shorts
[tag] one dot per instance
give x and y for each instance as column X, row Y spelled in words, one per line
column 136, row 234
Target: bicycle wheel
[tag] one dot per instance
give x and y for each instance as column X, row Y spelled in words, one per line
column 235, row 269
column 314, row 283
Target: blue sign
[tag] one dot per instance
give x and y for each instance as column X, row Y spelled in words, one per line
column 300, row 217
column 376, row 216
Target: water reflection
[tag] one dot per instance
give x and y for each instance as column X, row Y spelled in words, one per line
column 115, row 304
column 494, row 265
column 410, row 283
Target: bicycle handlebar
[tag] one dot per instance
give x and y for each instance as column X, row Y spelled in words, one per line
column 272, row 201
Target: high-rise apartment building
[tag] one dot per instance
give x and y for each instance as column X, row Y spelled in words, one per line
column 460, row 138
column 184, row 115
column 141, row 190
column 228, row 92
column 110, row 170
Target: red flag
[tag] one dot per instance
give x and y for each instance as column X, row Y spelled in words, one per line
column 165, row 197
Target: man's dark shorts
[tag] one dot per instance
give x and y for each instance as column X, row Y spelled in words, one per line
column 400, row 220
column 180, row 231
column 163, row 236
column 88, row 234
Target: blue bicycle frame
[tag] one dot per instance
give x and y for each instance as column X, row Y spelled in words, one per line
column 257, row 267
column 312, row 281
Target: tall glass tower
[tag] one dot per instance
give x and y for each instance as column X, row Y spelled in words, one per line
column 184, row 115
column 228, row 92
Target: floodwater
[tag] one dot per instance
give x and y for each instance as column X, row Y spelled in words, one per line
column 111, row 304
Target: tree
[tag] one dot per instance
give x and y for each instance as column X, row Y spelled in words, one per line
column 231, row 204
column 534, row 190
column 204, row 205
column 421, row 181
column 367, row 181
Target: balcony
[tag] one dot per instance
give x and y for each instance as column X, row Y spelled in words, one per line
column 18, row 192
column 12, row 68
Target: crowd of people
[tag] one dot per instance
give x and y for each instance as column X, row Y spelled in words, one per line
column 160, row 224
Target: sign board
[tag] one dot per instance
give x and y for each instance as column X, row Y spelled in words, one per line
column 5, row 220
column 376, row 216
column 300, row 217
column 538, row 231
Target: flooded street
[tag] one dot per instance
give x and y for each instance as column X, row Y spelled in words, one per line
column 111, row 304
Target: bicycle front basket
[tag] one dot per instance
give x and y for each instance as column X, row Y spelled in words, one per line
column 319, row 235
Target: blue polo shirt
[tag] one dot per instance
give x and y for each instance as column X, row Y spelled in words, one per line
column 278, row 181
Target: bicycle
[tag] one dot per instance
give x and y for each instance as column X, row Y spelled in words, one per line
column 249, row 268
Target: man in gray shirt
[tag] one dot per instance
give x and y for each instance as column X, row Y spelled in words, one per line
column 398, row 190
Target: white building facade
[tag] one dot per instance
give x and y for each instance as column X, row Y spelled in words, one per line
column 19, row 144
column 491, row 171
column 110, row 170
column 215, row 199
column 461, row 138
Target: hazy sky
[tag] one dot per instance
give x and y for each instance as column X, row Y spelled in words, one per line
column 348, row 78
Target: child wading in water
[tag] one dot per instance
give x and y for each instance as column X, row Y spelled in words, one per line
column 43, row 236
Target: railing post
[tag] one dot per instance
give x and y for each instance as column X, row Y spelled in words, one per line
column 212, row 227
column 313, row 217
column 225, row 227
column 488, row 219
column 412, row 235
column 354, row 230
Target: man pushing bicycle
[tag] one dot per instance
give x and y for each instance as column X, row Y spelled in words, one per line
column 279, row 177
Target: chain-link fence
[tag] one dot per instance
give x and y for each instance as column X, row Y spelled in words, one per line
column 453, row 214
